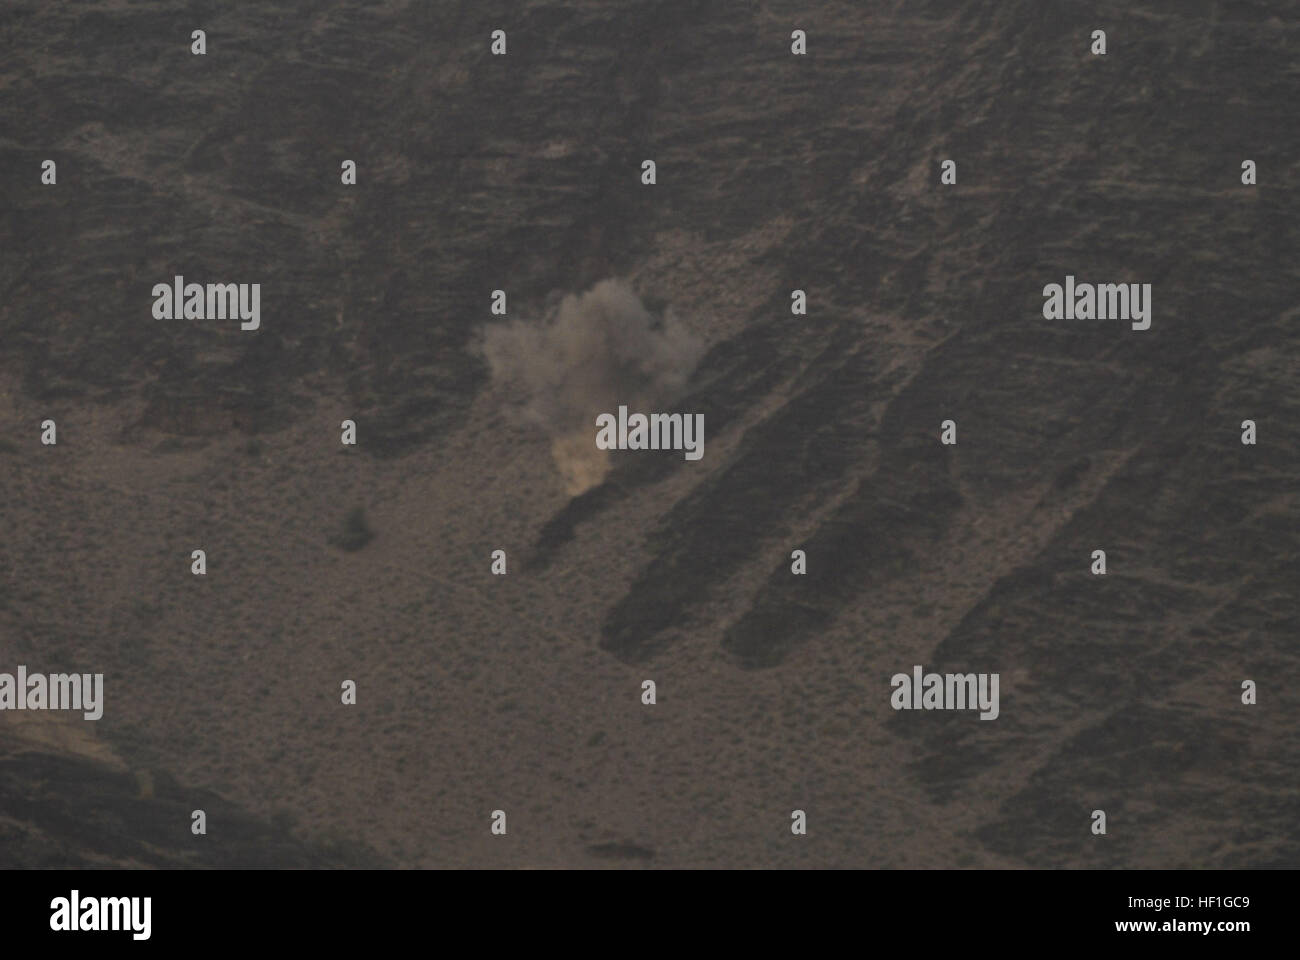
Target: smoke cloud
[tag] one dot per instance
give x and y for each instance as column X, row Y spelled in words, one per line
column 602, row 348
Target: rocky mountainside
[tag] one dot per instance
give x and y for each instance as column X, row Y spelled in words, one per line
column 774, row 173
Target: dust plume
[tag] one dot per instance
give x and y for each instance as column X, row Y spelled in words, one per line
column 601, row 348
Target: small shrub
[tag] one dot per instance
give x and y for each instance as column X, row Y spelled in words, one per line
column 356, row 532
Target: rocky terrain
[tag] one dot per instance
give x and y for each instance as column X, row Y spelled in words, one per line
column 774, row 172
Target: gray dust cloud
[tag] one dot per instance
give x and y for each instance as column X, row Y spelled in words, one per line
column 600, row 349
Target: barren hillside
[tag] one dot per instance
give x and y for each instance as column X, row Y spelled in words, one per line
column 774, row 173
